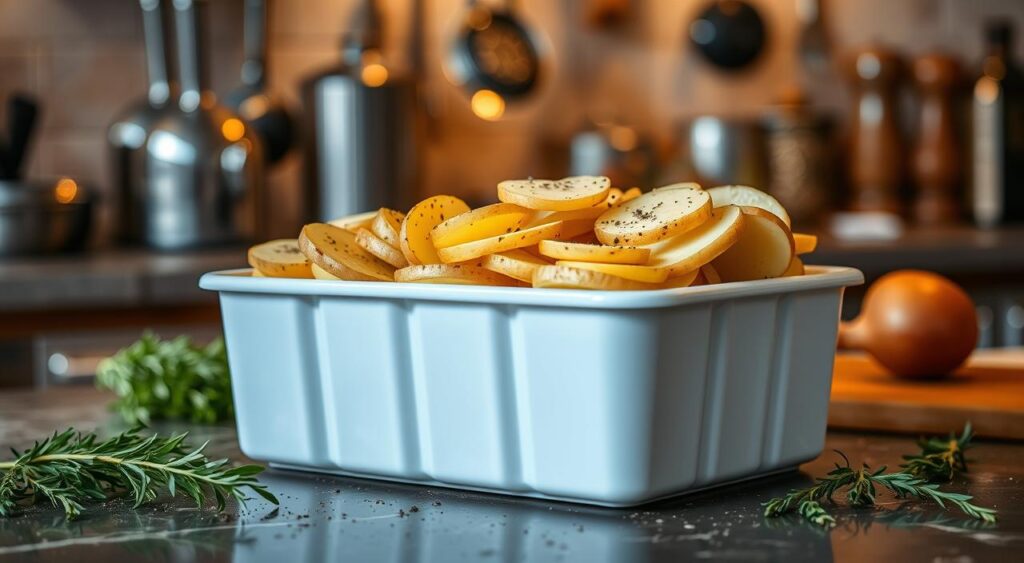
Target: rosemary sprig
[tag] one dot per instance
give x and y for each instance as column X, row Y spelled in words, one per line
column 72, row 468
column 940, row 459
column 861, row 486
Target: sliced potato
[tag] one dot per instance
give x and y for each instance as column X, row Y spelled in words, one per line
column 414, row 235
column 654, row 216
column 376, row 246
column 686, row 280
column 564, row 250
column 458, row 274
column 627, row 271
column 763, row 250
column 480, row 223
column 805, row 244
column 710, row 274
column 574, row 192
column 632, row 193
column 280, row 259
column 689, row 251
column 613, row 198
column 256, row 274
column 322, row 274
column 386, row 225
column 565, row 277
column 518, row 264
column 679, row 186
column 745, row 196
column 354, row 222
column 795, row 268
column 501, row 243
column 335, row 249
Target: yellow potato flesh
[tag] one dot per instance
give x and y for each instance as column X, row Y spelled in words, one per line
column 685, row 280
column 386, row 225
column 481, row 223
column 335, row 249
column 280, row 259
column 795, row 268
column 354, row 222
column 654, row 216
column 763, row 250
column 565, row 277
column 576, row 192
column 631, row 193
column 414, row 236
column 710, row 274
column 564, row 250
column 376, row 246
column 746, row 196
column 517, row 264
column 458, row 274
column 625, row 271
column 689, row 251
column 501, row 243
column 322, row 274
column 805, row 243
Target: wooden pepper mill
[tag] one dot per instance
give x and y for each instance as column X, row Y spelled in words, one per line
column 935, row 162
column 876, row 157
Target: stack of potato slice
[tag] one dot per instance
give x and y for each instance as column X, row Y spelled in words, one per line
column 576, row 233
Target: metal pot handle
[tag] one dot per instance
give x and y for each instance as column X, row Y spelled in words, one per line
column 254, row 69
column 188, row 19
column 156, row 52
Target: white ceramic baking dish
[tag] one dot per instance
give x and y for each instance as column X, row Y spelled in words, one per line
column 609, row 398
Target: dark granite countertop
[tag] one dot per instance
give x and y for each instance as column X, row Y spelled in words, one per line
column 324, row 518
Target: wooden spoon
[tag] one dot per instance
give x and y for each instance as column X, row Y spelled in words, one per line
column 916, row 324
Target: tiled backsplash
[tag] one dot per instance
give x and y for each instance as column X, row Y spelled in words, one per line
column 84, row 60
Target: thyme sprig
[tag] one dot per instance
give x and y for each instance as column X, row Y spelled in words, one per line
column 940, row 459
column 861, row 486
column 72, row 468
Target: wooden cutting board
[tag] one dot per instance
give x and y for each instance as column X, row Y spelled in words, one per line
column 988, row 391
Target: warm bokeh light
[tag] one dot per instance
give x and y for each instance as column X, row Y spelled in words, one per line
column 487, row 105
column 65, row 190
column 622, row 138
column 233, row 129
column 374, row 75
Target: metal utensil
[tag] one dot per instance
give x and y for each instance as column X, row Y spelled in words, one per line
column 43, row 217
column 128, row 133
column 730, row 34
column 362, row 128
column 494, row 51
column 265, row 114
column 813, row 44
column 717, row 150
column 203, row 168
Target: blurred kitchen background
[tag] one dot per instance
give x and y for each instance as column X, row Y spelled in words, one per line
column 888, row 127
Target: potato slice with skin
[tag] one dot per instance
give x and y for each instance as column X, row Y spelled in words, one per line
column 386, row 225
column 632, row 193
column 457, row 274
column 256, row 274
column 805, row 244
column 483, row 222
column 517, row 264
column 376, row 246
column 354, row 222
column 414, row 236
column 565, row 250
column 795, row 268
column 763, row 250
column 686, row 280
column 574, row 192
column 689, row 251
column 322, row 274
column 475, row 249
column 335, row 249
column 654, row 216
column 564, row 277
column 626, row 271
column 280, row 259
column 745, row 196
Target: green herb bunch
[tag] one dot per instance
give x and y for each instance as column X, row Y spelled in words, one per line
column 70, row 469
column 171, row 379
column 861, row 486
column 940, row 459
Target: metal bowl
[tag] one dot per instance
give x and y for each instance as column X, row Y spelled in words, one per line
column 43, row 217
